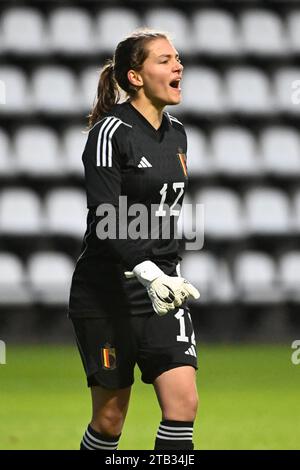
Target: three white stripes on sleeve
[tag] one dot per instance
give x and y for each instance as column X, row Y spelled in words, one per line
column 104, row 142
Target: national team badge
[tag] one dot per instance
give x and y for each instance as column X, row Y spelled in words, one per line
column 182, row 159
column 108, row 357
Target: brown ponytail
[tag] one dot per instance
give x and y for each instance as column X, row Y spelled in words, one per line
column 130, row 54
column 107, row 93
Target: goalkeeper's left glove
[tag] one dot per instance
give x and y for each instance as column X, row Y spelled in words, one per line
column 166, row 292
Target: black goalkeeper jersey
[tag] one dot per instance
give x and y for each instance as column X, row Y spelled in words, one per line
column 126, row 156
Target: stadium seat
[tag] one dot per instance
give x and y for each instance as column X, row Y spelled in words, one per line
column 49, row 275
column 119, row 21
column 293, row 31
column 16, row 91
column 289, row 275
column 280, row 151
column 223, row 215
column 55, row 90
column 287, row 87
column 88, row 82
column 174, row 23
column 6, row 157
column 267, row 211
column 214, row 33
column 71, row 31
column 234, row 152
column 13, row 287
column 255, row 278
column 198, row 158
column 66, row 212
column 37, row 152
column 20, row 212
column 202, row 92
column 23, row 32
column 73, row 142
column 201, row 269
column 262, row 33
column 248, row 91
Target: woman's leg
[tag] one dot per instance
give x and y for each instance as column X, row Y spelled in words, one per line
column 108, row 417
column 178, row 398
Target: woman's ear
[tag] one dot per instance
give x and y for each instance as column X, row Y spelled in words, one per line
column 135, row 78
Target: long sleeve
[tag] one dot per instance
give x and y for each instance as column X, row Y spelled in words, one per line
column 103, row 158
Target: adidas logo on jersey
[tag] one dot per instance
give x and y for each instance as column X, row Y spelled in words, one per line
column 144, row 163
column 191, row 351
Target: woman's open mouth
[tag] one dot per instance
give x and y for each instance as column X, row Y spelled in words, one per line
column 175, row 84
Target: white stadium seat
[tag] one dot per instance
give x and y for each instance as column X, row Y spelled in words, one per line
column 73, row 143
column 23, row 31
column 37, row 152
column 215, row 33
column 198, row 158
column 174, row 23
column 66, row 212
column 223, row 217
column 234, row 152
column 248, row 91
column 293, row 31
column 287, row 90
column 202, row 91
column 16, row 91
column 280, row 151
column 88, row 82
column 13, row 287
column 262, row 33
column 113, row 25
column 289, row 274
column 6, row 157
column 55, row 90
column 20, row 212
column 49, row 275
column 267, row 212
column 201, row 269
column 71, row 31
column 255, row 278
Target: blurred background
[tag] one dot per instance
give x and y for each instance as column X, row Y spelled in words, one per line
column 240, row 111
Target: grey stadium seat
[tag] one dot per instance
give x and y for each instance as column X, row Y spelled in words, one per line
column 201, row 269
column 267, row 211
column 49, row 275
column 248, row 91
column 287, row 84
column 256, row 279
column 37, row 152
column 223, row 214
column 13, row 286
column 66, row 212
column 198, row 156
column 73, row 143
column 289, row 275
column 71, row 31
column 23, row 32
column 6, row 157
column 262, row 33
column 55, row 90
column 20, row 212
column 16, row 90
column 234, row 152
column 215, row 33
column 280, row 151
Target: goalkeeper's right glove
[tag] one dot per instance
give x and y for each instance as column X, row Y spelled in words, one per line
column 166, row 292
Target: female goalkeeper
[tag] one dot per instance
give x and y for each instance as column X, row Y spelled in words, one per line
column 127, row 299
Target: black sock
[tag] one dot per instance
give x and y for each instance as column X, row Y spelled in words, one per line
column 174, row 435
column 93, row 440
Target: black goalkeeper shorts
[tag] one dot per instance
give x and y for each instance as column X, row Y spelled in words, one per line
column 111, row 347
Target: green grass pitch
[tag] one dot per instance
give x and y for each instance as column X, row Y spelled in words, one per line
column 249, row 399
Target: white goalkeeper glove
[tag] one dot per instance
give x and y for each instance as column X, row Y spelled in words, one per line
column 166, row 292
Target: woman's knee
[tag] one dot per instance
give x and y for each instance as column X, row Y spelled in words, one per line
column 182, row 407
column 108, row 422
